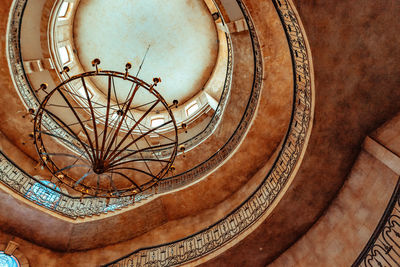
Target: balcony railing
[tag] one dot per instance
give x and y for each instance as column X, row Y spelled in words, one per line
column 23, row 184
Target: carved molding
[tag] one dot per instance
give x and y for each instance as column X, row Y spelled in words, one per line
column 11, row 247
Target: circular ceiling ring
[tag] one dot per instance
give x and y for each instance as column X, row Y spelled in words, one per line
column 100, row 157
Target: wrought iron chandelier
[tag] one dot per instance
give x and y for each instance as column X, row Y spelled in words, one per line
column 101, row 146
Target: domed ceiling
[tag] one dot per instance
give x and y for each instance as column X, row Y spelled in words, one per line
column 180, row 49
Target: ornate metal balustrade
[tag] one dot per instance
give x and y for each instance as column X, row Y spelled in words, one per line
column 383, row 248
column 246, row 214
column 22, row 183
column 240, row 219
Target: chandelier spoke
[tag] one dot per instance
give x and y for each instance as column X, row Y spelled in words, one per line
column 107, row 115
column 138, row 151
column 143, row 105
column 139, row 160
column 97, row 184
column 133, row 127
column 112, row 129
column 62, row 106
column 140, row 130
column 157, row 133
column 82, row 178
column 79, row 120
column 72, row 166
column 112, row 185
column 83, row 144
column 129, row 179
column 73, row 124
column 148, row 128
column 123, row 117
column 137, row 147
column 140, row 137
column 63, row 155
column 92, row 114
column 82, row 97
column 80, row 156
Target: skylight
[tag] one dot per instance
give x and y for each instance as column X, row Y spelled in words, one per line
column 157, row 122
column 43, row 195
column 191, row 108
column 63, row 10
column 64, row 55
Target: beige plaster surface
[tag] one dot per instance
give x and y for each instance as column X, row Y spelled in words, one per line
column 243, row 71
column 383, row 154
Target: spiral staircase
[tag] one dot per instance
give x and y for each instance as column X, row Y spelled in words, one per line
column 291, row 156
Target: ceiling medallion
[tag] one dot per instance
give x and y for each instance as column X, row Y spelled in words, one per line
column 111, row 151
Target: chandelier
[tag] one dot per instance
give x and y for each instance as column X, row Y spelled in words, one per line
column 102, row 144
